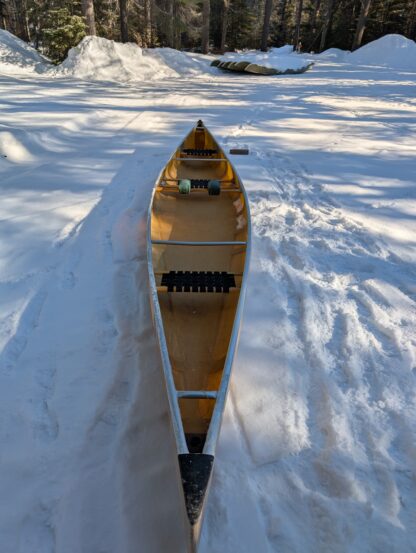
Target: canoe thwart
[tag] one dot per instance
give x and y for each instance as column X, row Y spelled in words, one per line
column 204, row 159
column 196, row 394
column 189, row 243
column 198, row 281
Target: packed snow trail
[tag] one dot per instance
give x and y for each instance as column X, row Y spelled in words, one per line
column 316, row 451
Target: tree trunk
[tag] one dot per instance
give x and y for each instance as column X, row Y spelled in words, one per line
column 281, row 30
column 88, row 13
column 3, row 24
column 148, row 23
column 314, row 14
column 327, row 23
column 177, row 31
column 226, row 6
column 411, row 22
column 124, row 29
column 266, row 25
column 171, row 27
column 2, row 20
column 299, row 8
column 362, row 20
column 205, row 26
column 22, row 27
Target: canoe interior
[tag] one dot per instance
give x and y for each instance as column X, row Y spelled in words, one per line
column 198, row 325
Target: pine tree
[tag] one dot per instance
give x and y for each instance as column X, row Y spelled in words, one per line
column 61, row 32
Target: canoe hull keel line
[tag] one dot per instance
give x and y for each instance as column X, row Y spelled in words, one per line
column 198, row 246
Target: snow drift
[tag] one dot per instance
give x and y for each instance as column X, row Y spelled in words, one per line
column 395, row 51
column 17, row 56
column 334, row 54
column 101, row 59
column 97, row 58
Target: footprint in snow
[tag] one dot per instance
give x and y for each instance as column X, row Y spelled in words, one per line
column 67, row 281
column 29, row 320
column 45, row 422
column 45, row 426
column 37, row 533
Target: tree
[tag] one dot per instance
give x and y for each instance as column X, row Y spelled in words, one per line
column 22, row 25
column 3, row 24
column 279, row 29
column 61, row 32
column 411, row 23
column 241, row 25
column 206, row 8
column 226, row 7
column 88, row 13
column 268, row 6
column 148, row 28
column 327, row 23
column 124, row 29
column 362, row 20
column 299, row 8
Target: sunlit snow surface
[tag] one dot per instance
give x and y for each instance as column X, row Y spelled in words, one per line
column 317, row 450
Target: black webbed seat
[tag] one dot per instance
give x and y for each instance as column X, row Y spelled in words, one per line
column 198, row 281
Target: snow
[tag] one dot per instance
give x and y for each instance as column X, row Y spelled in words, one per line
column 17, row 56
column 333, row 54
column 101, row 59
column 394, row 51
column 97, row 58
column 316, row 451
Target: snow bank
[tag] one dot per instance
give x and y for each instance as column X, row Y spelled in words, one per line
column 395, row 51
column 101, row 59
column 183, row 63
column 97, row 58
column 334, row 54
column 281, row 59
column 18, row 56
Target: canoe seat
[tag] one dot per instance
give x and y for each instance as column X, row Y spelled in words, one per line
column 198, row 281
column 199, row 152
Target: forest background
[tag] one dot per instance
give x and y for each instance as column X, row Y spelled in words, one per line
column 54, row 26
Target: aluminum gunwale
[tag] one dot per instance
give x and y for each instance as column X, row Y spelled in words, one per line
column 216, row 419
column 178, row 431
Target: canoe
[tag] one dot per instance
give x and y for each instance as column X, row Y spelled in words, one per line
column 198, row 246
